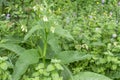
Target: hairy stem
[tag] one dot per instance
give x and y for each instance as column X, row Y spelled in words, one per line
column 45, row 47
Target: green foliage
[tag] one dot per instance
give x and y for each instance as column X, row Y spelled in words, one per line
column 71, row 56
column 90, row 76
column 63, row 33
column 50, row 72
column 4, row 66
column 54, row 40
column 27, row 58
column 13, row 47
column 54, row 44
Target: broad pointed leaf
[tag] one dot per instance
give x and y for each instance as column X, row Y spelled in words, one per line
column 63, row 33
column 71, row 56
column 12, row 47
column 90, row 76
column 54, row 45
column 27, row 58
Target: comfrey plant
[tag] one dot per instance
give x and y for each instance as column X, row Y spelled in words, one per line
column 39, row 55
column 45, row 49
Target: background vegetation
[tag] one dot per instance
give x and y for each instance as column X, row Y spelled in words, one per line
column 59, row 40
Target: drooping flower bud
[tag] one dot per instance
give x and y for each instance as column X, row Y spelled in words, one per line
column 97, row 29
column 114, row 35
column 7, row 16
column 103, row 1
column 45, row 18
column 90, row 17
column 111, row 13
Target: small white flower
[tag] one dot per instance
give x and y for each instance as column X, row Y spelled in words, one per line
column 115, row 43
column 111, row 13
column 90, row 17
column 117, row 22
column 41, row 8
column 24, row 28
column 114, row 35
column 103, row 1
column 7, row 16
column 97, row 29
column 52, row 29
column 85, row 46
column 3, row 15
column 119, row 3
column 35, row 8
column 45, row 18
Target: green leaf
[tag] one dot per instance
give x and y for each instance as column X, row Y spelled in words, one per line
column 90, row 76
column 11, row 40
column 53, row 42
column 12, row 47
column 58, row 66
column 66, row 73
column 35, row 28
column 27, row 58
column 63, row 33
column 67, row 57
column 55, row 75
column 50, row 67
column 2, row 1
column 50, row 53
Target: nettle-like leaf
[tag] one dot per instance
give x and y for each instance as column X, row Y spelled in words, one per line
column 27, row 58
column 67, row 57
column 90, row 76
column 13, row 47
column 63, row 33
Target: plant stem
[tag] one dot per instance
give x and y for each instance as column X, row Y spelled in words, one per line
column 44, row 53
column 45, row 47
